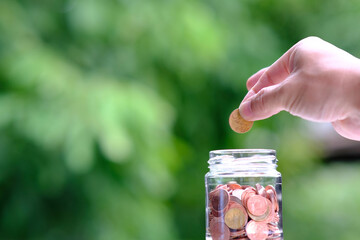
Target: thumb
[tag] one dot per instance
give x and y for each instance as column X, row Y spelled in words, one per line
column 264, row 104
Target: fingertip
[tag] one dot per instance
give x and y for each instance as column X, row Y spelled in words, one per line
column 246, row 111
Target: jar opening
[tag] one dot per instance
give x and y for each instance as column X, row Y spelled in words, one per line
column 242, row 152
column 238, row 160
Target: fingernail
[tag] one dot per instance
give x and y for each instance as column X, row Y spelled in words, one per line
column 245, row 110
column 249, row 95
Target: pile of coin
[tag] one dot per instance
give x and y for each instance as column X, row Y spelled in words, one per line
column 243, row 212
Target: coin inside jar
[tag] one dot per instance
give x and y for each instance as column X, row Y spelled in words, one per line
column 233, row 186
column 236, row 217
column 270, row 190
column 218, row 230
column 243, row 212
column 260, row 190
column 246, row 194
column 257, row 205
column 235, row 199
column 238, row 123
column 257, row 230
column 219, row 199
column 238, row 234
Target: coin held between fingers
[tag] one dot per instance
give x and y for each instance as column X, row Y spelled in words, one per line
column 238, row 123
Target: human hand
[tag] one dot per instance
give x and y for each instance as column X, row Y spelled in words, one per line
column 313, row 80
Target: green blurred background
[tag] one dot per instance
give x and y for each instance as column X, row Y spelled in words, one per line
column 108, row 110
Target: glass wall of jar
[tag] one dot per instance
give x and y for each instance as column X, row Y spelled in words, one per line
column 243, row 195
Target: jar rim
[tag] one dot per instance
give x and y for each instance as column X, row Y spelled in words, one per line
column 235, row 160
column 220, row 152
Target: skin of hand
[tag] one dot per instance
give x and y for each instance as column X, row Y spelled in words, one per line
column 313, row 80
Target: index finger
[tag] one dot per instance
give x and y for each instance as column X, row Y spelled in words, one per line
column 255, row 78
column 276, row 73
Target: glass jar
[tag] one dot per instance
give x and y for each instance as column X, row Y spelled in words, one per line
column 243, row 195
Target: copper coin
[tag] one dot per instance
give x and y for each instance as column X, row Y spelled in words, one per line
column 271, row 188
column 238, row 123
column 257, row 230
column 246, row 198
column 273, row 196
column 219, row 230
column 235, row 199
column 276, row 218
column 218, row 213
column 211, row 216
column 273, row 227
column 216, row 219
column 249, row 188
column 219, row 199
column 257, row 205
column 272, row 215
column 237, row 233
column 260, row 190
column 262, row 218
column 267, row 217
column 237, row 193
column 233, row 186
column 250, row 191
column 274, row 231
column 221, row 186
column 236, row 216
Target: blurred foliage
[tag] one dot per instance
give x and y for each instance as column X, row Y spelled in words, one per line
column 108, row 110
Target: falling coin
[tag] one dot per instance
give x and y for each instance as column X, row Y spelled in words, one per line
column 238, row 123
